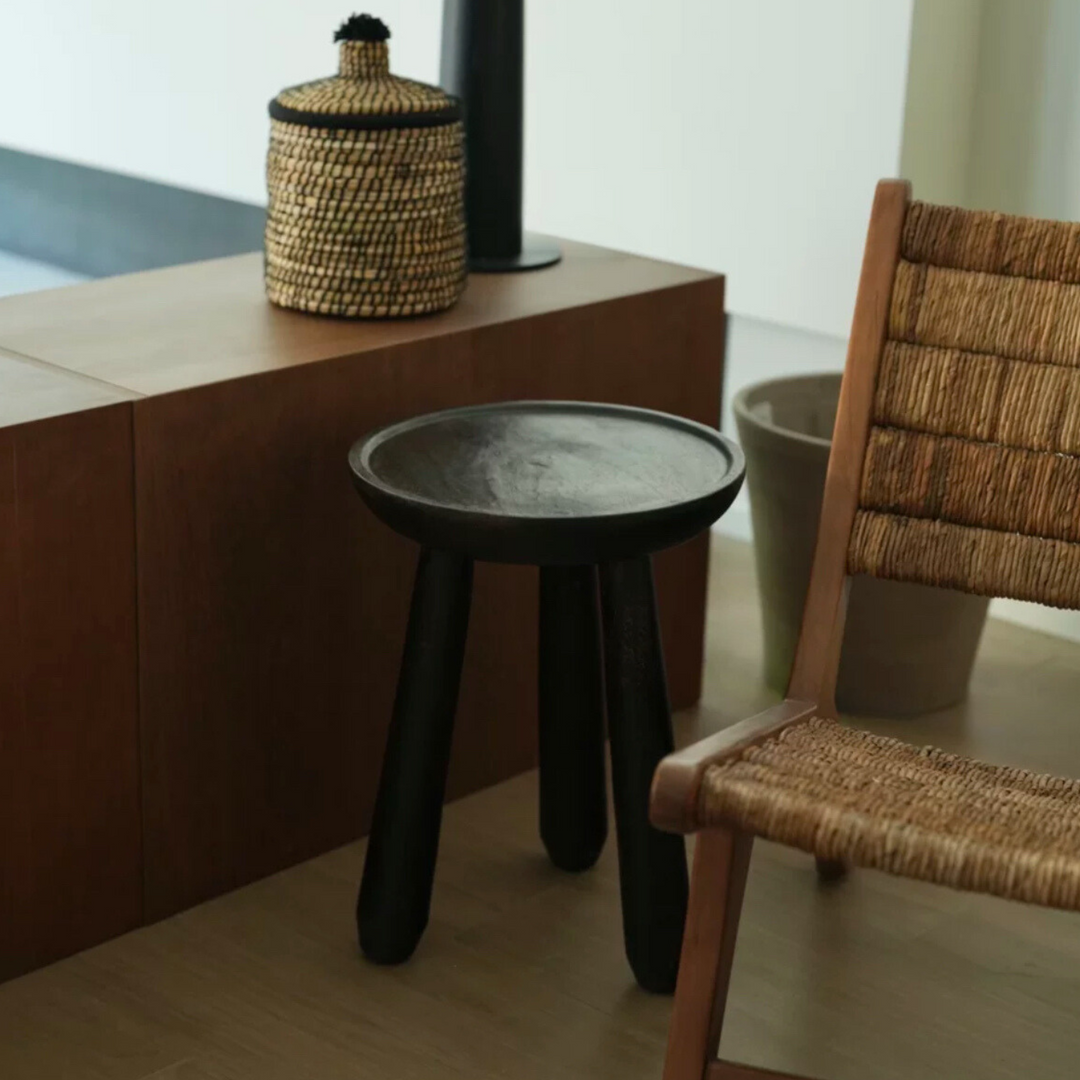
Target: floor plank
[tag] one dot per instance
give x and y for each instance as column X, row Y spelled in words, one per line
column 521, row 973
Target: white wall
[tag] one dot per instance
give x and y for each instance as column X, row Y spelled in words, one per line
column 1026, row 123
column 740, row 136
column 176, row 92
column 992, row 116
column 941, row 98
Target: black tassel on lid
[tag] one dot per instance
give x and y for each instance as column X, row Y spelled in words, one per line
column 362, row 28
column 362, row 49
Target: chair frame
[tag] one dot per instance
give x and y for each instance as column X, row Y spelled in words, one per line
column 722, row 855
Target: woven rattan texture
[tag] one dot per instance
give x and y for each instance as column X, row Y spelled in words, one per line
column 365, row 222
column 971, row 478
column 917, row 812
column 364, row 85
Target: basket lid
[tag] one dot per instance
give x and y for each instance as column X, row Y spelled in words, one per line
column 364, row 94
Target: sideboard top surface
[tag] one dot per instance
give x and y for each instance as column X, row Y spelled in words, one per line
column 30, row 390
column 186, row 326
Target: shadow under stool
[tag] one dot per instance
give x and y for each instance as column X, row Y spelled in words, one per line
column 587, row 493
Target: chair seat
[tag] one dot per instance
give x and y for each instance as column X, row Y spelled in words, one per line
column 916, row 812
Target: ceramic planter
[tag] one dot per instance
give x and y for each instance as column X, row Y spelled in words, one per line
column 907, row 648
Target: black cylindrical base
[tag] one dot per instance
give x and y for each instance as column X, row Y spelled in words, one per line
column 483, row 63
column 534, row 255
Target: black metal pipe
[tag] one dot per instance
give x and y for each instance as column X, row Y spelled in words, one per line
column 483, row 63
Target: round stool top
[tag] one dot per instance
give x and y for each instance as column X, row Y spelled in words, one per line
column 548, row 482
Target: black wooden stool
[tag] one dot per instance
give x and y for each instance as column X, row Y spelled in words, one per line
column 569, row 487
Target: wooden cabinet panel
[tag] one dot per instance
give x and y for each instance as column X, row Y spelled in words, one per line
column 200, row 623
column 70, row 860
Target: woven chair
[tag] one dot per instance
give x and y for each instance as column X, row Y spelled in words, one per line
column 955, row 462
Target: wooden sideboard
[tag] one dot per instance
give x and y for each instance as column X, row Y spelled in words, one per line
column 200, row 622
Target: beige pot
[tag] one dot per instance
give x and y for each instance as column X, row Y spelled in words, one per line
column 907, row 648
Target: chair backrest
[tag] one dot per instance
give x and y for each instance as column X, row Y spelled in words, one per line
column 971, row 478
column 956, row 455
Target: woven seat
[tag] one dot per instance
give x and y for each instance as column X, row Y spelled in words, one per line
column 919, row 812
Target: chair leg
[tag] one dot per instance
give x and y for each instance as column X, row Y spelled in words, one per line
column 721, row 862
column 831, row 870
column 573, row 799
column 652, row 864
column 395, row 893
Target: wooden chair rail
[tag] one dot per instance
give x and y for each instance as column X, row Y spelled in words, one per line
column 817, row 657
column 678, row 778
column 722, row 857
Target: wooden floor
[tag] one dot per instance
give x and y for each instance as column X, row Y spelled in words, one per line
column 521, row 974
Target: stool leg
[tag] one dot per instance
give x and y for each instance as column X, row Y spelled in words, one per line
column 573, row 811
column 652, row 864
column 395, row 893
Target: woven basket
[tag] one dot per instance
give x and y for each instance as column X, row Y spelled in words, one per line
column 366, row 178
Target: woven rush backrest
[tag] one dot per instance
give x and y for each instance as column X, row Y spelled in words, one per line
column 971, row 477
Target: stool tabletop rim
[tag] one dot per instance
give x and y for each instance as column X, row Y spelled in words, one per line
column 521, row 465
column 360, row 456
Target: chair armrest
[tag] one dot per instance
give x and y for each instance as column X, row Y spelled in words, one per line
column 675, row 786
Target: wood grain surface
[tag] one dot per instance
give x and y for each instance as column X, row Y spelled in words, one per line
column 548, row 483
column 31, row 390
column 272, row 603
column 677, row 781
column 191, row 325
column 70, row 860
column 721, row 865
column 522, row 974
